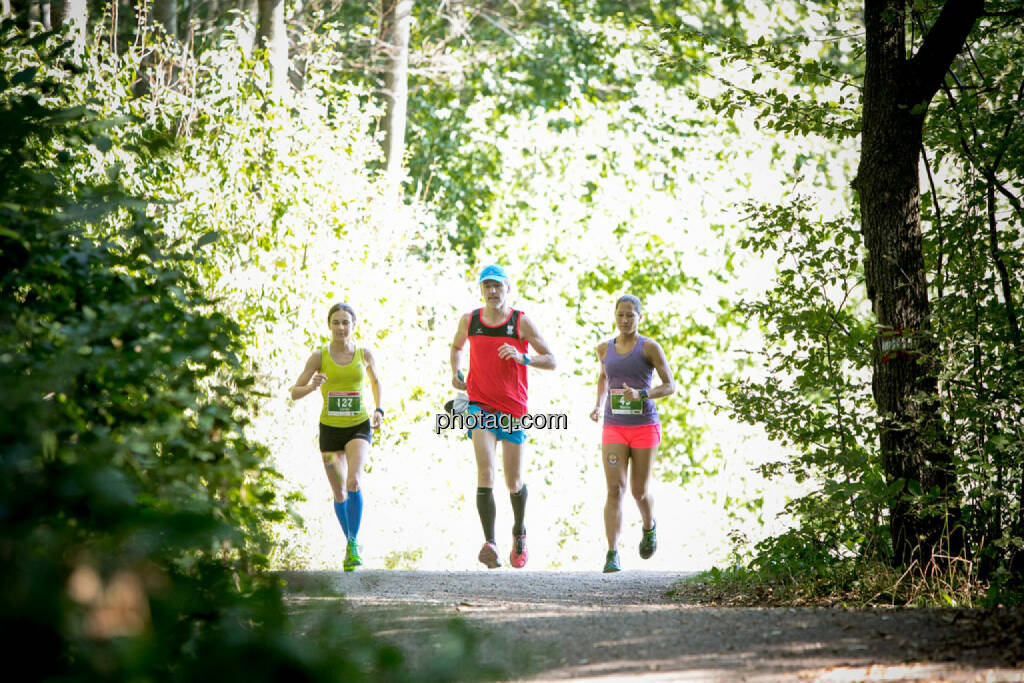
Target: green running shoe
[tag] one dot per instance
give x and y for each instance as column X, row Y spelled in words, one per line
column 649, row 543
column 611, row 562
column 352, row 559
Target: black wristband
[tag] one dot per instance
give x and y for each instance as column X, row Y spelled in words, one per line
column 379, row 410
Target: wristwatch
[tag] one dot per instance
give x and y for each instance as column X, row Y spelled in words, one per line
column 644, row 394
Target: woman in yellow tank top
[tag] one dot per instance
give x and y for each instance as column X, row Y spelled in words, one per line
column 339, row 371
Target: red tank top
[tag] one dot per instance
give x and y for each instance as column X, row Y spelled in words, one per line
column 495, row 383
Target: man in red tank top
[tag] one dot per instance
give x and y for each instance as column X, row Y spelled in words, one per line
column 499, row 340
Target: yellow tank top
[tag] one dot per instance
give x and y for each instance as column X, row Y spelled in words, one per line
column 344, row 400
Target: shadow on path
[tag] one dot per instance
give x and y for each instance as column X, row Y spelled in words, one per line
column 587, row 624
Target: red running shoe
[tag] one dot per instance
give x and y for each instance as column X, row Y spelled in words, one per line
column 517, row 558
column 489, row 556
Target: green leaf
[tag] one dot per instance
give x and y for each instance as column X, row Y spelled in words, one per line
column 207, row 238
column 24, row 76
column 102, row 143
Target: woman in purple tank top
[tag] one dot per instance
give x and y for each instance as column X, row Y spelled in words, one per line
column 632, row 431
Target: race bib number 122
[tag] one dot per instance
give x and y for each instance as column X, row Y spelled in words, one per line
column 343, row 403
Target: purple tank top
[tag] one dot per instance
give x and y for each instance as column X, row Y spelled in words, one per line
column 636, row 371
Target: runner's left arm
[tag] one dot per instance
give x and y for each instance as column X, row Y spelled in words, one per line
column 371, row 370
column 543, row 358
column 656, row 356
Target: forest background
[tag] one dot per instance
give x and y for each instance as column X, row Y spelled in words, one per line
column 188, row 186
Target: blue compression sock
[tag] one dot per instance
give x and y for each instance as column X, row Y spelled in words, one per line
column 342, row 514
column 354, row 512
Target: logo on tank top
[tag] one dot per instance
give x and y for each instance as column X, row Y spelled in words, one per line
column 508, row 330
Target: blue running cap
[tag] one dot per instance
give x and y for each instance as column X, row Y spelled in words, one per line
column 494, row 272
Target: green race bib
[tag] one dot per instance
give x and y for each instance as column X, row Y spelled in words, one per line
column 344, row 403
column 620, row 406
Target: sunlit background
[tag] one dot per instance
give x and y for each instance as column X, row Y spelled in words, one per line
column 657, row 216
column 640, row 189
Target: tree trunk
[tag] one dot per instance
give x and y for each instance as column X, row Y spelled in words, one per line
column 76, row 17
column 913, row 442
column 250, row 26
column 35, row 15
column 5, row 9
column 396, row 16
column 165, row 14
column 275, row 40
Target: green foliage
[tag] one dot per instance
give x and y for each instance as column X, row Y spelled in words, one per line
column 794, row 79
column 846, row 583
column 135, row 510
column 814, row 394
column 478, row 66
column 403, row 559
column 972, row 203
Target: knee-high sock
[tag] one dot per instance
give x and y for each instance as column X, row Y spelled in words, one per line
column 342, row 515
column 354, row 508
column 519, row 510
column 486, row 508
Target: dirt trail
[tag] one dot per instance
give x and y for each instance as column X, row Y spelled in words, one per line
column 550, row 625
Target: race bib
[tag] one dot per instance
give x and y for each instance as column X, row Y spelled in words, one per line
column 344, row 403
column 620, row 406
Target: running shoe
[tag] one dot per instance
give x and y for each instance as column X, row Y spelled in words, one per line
column 611, row 562
column 352, row 559
column 489, row 556
column 649, row 543
column 517, row 558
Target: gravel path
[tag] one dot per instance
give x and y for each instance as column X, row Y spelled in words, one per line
column 552, row 625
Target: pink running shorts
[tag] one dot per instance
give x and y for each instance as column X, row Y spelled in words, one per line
column 634, row 436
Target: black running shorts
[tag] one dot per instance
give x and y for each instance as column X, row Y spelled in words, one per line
column 333, row 439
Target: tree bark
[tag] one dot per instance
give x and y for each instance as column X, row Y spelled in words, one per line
column 250, row 27
column 396, row 17
column 76, row 16
column 1004, row 274
column 165, row 13
column 913, row 441
column 275, row 40
column 35, row 15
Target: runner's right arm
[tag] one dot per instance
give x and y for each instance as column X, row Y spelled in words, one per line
column 602, row 384
column 455, row 357
column 309, row 379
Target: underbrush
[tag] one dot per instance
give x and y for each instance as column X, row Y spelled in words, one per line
column 943, row 582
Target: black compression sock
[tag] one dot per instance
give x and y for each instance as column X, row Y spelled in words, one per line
column 486, row 508
column 519, row 509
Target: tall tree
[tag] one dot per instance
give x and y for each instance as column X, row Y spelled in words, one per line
column 75, row 16
column 396, row 17
column 275, row 40
column 897, row 91
column 165, row 13
column 250, row 24
column 38, row 14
